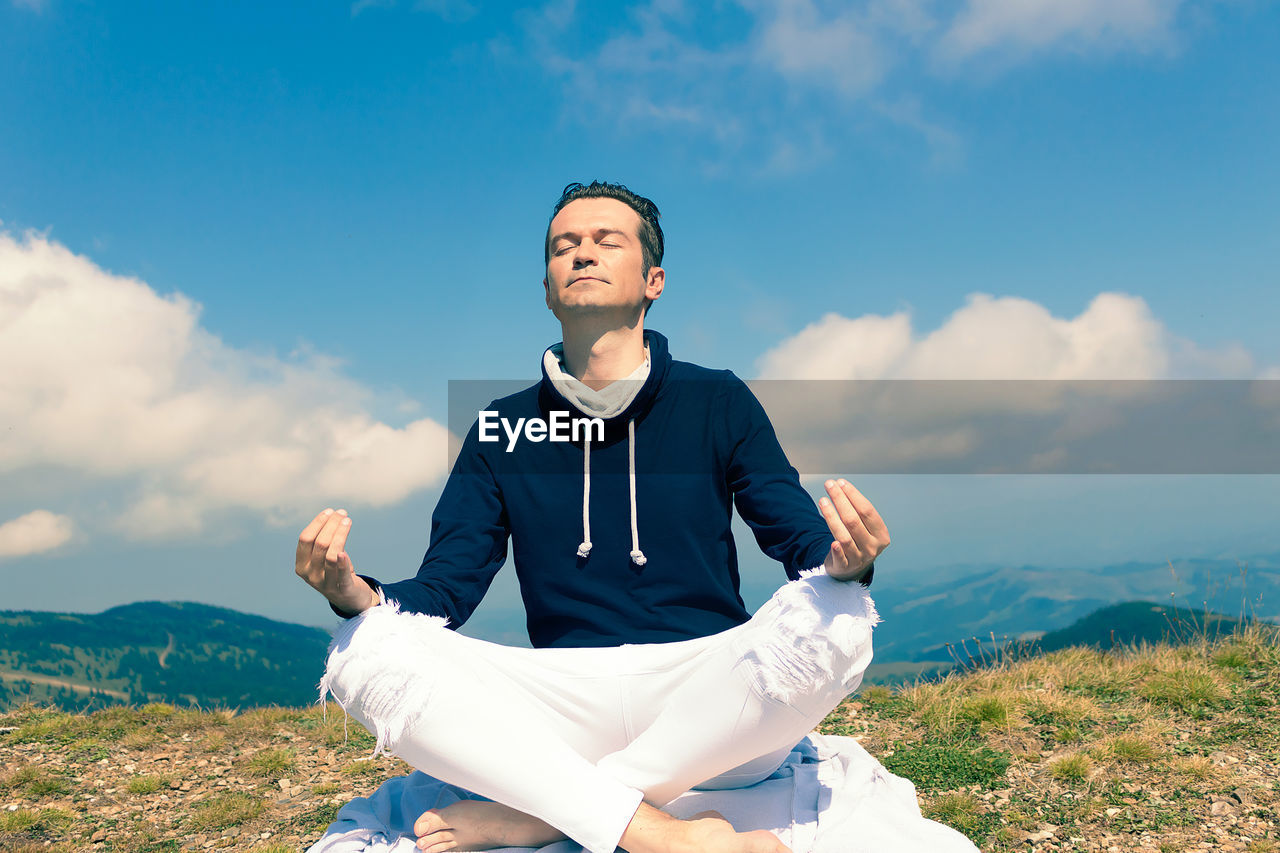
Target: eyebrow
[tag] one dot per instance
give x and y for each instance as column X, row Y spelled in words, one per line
column 566, row 235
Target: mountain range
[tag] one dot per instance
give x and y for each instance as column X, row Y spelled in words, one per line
column 196, row 654
column 923, row 614
column 181, row 653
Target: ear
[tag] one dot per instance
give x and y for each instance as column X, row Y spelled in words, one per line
column 656, row 281
column 547, row 292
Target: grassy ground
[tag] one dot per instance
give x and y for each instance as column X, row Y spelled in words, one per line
column 1149, row 749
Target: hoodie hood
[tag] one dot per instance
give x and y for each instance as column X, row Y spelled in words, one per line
column 551, row 399
column 608, row 401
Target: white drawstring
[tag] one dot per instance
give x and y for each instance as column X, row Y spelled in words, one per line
column 637, row 556
column 584, row 548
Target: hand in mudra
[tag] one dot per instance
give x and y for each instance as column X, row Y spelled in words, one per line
column 323, row 562
column 859, row 531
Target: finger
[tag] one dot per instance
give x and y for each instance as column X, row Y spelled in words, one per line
column 837, row 527
column 836, row 562
column 307, row 538
column 874, row 523
column 339, row 543
column 849, row 515
column 859, row 544
column 326, row 534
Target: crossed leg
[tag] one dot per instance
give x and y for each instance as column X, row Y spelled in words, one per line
column 549, row 734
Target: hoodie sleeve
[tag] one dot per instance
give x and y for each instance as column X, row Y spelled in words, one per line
column 767, row 491
column 469, row 534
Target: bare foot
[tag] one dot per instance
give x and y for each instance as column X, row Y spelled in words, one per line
column 480, row 825
column 652, row 831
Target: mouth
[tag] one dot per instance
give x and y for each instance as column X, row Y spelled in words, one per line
column 587, row 278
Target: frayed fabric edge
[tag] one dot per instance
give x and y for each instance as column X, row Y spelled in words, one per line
column 819, row 632
column 861, row 592
column 380, row 662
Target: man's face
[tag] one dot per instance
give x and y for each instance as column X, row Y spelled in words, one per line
column 596, row 260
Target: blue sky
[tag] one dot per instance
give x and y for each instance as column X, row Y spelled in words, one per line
column 245, row 235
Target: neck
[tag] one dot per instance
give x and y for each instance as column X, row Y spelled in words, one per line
column 597, row 357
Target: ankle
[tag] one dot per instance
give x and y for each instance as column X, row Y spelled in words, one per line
column 654, row 831
column 650, row 831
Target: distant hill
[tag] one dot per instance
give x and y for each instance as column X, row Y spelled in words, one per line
column 176, row 652
column 195, row 654
column 1129, row 624
column 922, row 615
column 1137, row 621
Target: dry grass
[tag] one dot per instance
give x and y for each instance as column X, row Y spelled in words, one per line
column 1071, row 768
column 143, row 785
column 224, row 811
column 1141, row 749
column 1132, row 749
column 214, row 742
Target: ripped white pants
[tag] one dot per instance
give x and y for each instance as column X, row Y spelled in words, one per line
column 579, row 737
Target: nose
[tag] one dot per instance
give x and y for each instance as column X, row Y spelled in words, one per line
column 585, row 254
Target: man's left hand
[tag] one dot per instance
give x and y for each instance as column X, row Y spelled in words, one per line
column 859, row 530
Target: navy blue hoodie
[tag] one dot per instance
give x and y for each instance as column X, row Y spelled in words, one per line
column 702, row 444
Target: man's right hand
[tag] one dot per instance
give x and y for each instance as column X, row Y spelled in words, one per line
column 323, row 563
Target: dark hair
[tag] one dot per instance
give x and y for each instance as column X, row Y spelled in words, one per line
column 651, row 242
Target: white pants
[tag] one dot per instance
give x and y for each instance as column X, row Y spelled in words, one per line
column 578, row 737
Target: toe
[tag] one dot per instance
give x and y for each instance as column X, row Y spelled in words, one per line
column 437, row 842
column 429, row 822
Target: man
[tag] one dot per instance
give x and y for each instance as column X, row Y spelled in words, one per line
column 717, row 697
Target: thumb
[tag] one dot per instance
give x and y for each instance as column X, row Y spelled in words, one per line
column 344, row 563
column 836, row 558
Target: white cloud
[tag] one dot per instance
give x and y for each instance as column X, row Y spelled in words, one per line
column 120, row 384
column 838, row 347
column 1001, row 426
column 784, row 82
column 1027, row 25
column 838, row 51
column 1115, row 337
column 760, row 87
column 946, row 147
column 33, row 533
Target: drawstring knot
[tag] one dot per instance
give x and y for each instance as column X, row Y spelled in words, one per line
column 584, row 547
column 637, row 556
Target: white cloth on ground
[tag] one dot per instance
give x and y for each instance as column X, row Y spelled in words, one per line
column 829, row 796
